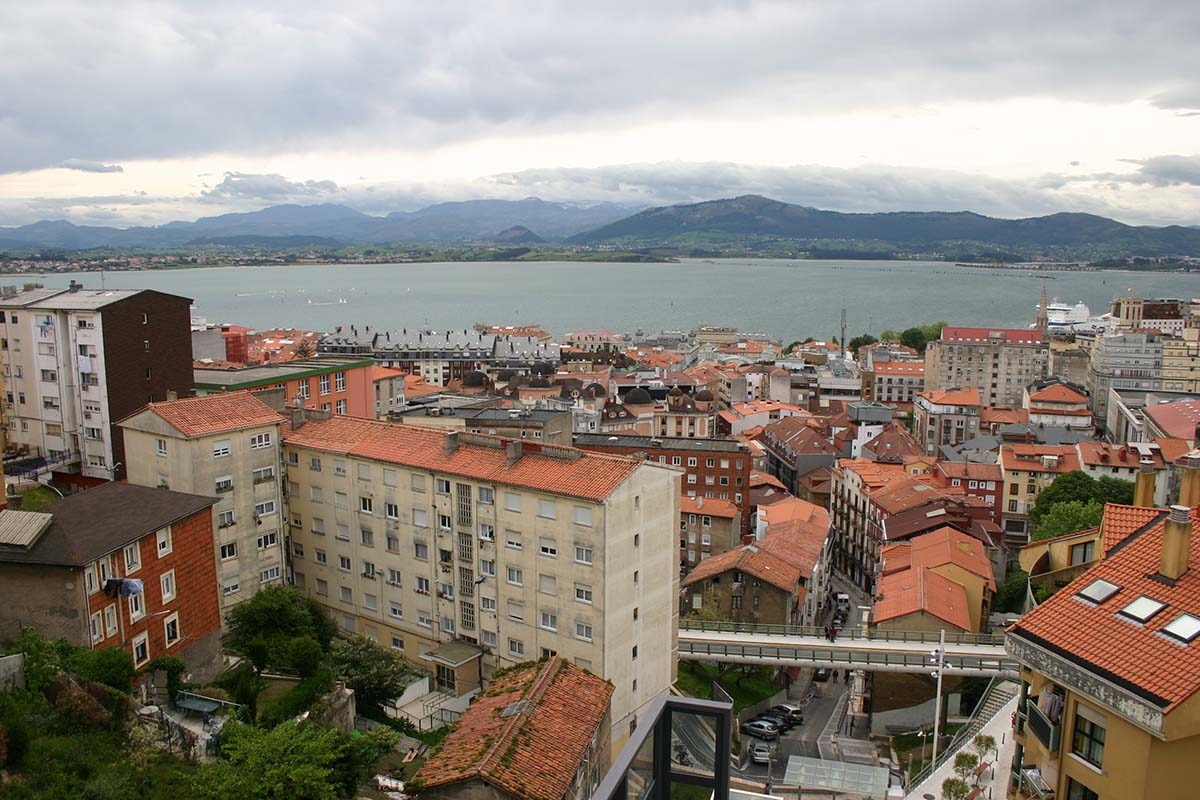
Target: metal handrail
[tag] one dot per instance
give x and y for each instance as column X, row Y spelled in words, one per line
column 952, row 637
column 848, row 657
column 968, row 731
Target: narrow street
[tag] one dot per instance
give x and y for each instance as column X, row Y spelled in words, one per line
column 800, row 740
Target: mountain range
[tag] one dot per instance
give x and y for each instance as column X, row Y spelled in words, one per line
column 746, row 221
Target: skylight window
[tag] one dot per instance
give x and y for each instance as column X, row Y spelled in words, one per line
column 1098, row 591
column 1185, row 627
column 1143, row 608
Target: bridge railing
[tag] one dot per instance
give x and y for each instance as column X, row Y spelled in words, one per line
column 849, row 657
column 843, row 634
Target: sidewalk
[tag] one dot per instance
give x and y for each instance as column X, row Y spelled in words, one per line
column 994, row 782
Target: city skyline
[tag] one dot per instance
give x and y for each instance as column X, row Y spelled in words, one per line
column 936, row 106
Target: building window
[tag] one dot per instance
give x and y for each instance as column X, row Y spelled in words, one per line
column 548, row 548
column 324, row 384
column 265, row 474
column 583, row 554
column 424, row 620
column 267, row 540
column 549, row 620
column 583, row 593
column 344, row 563
column 370, row 601
column 164, row 542
column 442, row 486
column 583, row 630
column 166, row 582
column 322, row 587
column 516, row 647
column 141, row 649
column 487, row 603
column 367, row 537
column 487, row 568
column 444, row 521
column 1088, row 741
column 487, row 533
column 393, row 578
column 339, row 381
column 347, row 595
column 516, row 577
column 366, row 505
column 225, row 519
column 512, row 540
column 391, row 510
column 160, row 447
column 171, row 632
column 487, row 496
column 395, row 611
column 1077, row 791
column 97, row 628
column 264, row 509
column 583, row 516
column 422, row 585
column 228, row 551
column 110, row 620
column 221, row 448
column 512, row 501
column 1083, row 552
column 421, row 551
column 420, row 518
column 133, row 558
column 340, row 407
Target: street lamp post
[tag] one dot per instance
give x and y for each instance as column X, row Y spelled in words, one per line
column 938, row 658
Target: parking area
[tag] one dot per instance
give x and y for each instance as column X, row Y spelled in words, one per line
column 801, row 740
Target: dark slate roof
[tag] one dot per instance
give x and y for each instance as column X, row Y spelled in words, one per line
column 99, row 521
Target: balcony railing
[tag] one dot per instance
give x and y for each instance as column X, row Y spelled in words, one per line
column 1046, row 731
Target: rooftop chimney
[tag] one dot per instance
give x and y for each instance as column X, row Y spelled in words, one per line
column 1143, row 487
column 513, row 453
column 449, row 443
column 1177, row 543
column 296, row 412
column 1189, row 484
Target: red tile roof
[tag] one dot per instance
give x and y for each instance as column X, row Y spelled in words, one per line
column 976, row 335
column 765, row 478
column 1120, row 522
column 713, row 507
column 921, row 589
column 1177, row 420
column 952, row 397
column 970, row 470
column 950, row 546
column 1028, row 457
column 795, row 509
column 892, row 444
column 531, row 754
column 1002, row 415
column 383, row 373
column 751, row 559
column 1057, row 393
column 590, row 476
column 214, row 413
column 1094, row 637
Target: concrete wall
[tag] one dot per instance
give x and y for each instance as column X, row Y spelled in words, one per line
column 50, row 599
column 12, row 672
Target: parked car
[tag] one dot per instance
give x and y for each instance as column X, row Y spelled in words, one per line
column 761, row 754
column 760, row 730
column 795, row 713
column 821, row 675
column 781, row 721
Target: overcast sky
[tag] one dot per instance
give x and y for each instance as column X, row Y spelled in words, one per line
column 137, row 113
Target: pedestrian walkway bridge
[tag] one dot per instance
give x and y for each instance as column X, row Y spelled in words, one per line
column 878, row 651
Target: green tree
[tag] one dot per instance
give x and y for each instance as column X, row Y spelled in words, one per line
column 1115, row 490
column 965, row 763
column 914, row 338
column 304, row 655
column 375, row 673
column 1068, row 517
column 1011, row 596
column 861, row 341
column 360, row 754
column 1068, row 487
column 955, row 789
column 111, row 666
column 277, row 614
column 983, row 744
column 287, row 762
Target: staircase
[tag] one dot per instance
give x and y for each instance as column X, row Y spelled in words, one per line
column 997, row 695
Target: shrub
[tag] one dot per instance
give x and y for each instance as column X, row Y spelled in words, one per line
column 216, row 693
column 955, row 789
column 3, row 745
column 965, row 764
column 80, row 710
column 112, row 666
column 298, row 700
column 171, row 665
column 305, row 655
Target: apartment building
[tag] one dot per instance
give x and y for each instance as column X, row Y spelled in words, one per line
column 1123, row 361
column 999, row 363
column 116, row 566
column 1110, row 669
column 469, row 552
column 1027, row 469
column 894, row 382
column 77, row 360
column 595, row 341
column 440, row 357
column 1164, row 315
column 946, row 417
column 337, row 384
column 1181, row 362
column 706, row 528
column 713, row 469
column 225, row 446
column 1054, row 403
column 387, row 386
column 795, row 448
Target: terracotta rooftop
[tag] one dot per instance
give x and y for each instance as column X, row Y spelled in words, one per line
column 1129, row 456
column 1057, row 393
column 979, row 335
column 908, row 493
column 713, row 507
column 753, row 560
column 1030, row 457
column 535, row 752
column 1137, row 656
column 765, row 478
column 970, row 470
column 213, row 413
column 795, row 509
column 383, row 373
column 921, row 589
column 952, row 397
column 871, row 473
column 1002, row 415
column 1177, row 420
column 892, row 444
column 950, row 546
column 1120, row 522
column 591, row 476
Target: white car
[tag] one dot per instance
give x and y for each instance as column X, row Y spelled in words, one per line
column 761, row 754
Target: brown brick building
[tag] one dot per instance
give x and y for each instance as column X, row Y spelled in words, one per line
column 714, row 468
column 116, row 566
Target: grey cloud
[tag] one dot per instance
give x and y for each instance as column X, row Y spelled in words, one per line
column 1158, row 171
column 248, row 186
column 89, row 166
column 260, row 78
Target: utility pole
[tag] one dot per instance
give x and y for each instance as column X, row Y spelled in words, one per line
column 939, row 658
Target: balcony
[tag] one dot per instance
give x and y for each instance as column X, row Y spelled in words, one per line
column 1049, row 734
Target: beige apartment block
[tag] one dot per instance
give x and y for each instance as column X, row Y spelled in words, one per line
column 225, row 446
column 470, row 552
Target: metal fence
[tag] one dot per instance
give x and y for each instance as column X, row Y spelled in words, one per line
column 878, row 660
column 854, row 634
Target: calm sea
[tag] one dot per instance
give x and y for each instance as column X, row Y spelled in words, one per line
column 787, row 299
